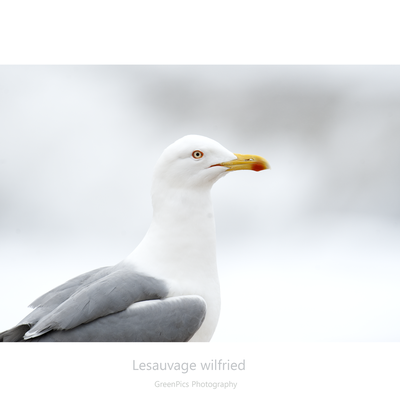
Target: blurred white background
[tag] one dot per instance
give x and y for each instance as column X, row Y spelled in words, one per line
column 307, row 251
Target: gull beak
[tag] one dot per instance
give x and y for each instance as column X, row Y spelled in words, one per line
column 246, row 161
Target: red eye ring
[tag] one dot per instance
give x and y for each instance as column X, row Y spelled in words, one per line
column 197, row 154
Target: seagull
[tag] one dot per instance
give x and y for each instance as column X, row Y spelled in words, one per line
column 167, row 289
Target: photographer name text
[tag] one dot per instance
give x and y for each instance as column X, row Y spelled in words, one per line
column 185, row 367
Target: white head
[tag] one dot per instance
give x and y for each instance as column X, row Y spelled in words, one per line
column 197, row 162
column 186, row 163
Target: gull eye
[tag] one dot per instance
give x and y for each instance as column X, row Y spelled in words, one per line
column 197, row 154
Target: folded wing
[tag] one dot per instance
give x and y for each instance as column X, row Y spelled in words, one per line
column 110, row 304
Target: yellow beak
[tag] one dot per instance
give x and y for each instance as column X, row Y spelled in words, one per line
column 246, row 161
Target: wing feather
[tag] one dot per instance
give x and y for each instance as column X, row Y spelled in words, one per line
column 111, row 293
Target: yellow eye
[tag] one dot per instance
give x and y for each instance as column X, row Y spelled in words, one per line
column 197, row 154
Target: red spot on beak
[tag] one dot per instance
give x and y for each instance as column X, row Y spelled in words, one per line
column 257, row 166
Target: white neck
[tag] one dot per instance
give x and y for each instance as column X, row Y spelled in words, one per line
column 180, row 242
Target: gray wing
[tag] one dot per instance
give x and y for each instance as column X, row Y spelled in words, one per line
column 109, row 294
column 86, row 298
column 174, row 319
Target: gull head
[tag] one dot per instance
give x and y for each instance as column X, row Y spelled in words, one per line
column 197, row 162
